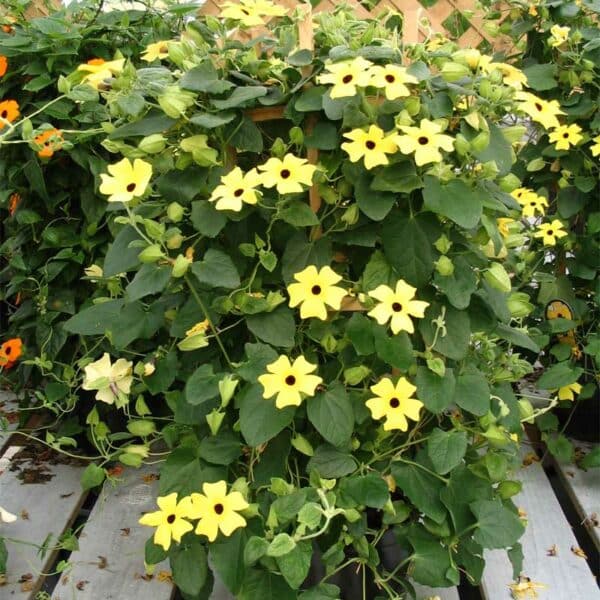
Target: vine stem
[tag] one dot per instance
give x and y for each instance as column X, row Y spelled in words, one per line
column 416, row 464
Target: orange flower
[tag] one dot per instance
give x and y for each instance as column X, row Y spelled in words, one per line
column 9, row 111
column 8, row 28
column 49, row 142
column 13, row 203
column 3, row 65
column 10, row 351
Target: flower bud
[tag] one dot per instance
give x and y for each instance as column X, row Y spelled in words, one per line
column 227, row 387
column 444, row 266
column 519, row 305
column 174, row 240
column 412, row 104
column 175, row 212
column 354, row 375
column 151, row 254
column 180, row 266
column 302, row 445
column 498, row 278
column 175, row 101
column 508, row 489
column 214, row 420
column 296, row 136
column 453, row 71
column 509, row 182
column 278, row 148
column 152, row 144
column 141, row 427
column 329, row 343
column 350, row 215
column 443, row 244
column 485, row 88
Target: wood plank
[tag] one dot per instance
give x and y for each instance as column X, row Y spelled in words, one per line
column 425, row 593
column 566, row 576
column 584, row 489
column 113, row 532
column 9, row 411
column 44, row 508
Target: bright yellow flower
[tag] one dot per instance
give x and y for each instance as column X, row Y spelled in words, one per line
column 395, row 403
column 503, row 225
column 568, row 392
column 425, row 141
column 156, row 50
column 371, row 145
column 530, row 201
column 510, row 74
column 315, row 291
column 236, row 188
column 289, row 382
column 113, row 382
column 566, row 136
column 250, row 13
column 543, row 111
column 126, row 180
column 346, row 76
column 398, row 306
column 436, row 42
column 217, row 510
column 393, row 79
column 559, row 35
column 595, row 147
column 472, row 58
column 98, row 70
column 266, row 7
column 550, row 232
column 287, row 175
column 195, row 337
column 170, row 520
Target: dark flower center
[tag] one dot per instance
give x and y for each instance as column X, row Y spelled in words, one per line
column 394, row 402
column 130, row 187
column 565, row 135
column 238, row 192
column 219, row 508
column 550, row 232
column 8, row 351
column 290, row 380
column 285, row 173
column 396, row 307
column 390, row 78
column 423, row 140
column 4, row 114
column 348, row 78
column 538, row 106
column 316, row 289
column 370, row 144
column 170, row 519
column 533, row 203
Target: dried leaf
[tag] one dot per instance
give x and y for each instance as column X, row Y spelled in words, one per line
column 552, row 551
column 578, row 552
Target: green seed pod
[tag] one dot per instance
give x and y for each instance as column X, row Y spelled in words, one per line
column 180, row 267
column 151, row 254
column 175, row 212
column 152, row 144
column 444, row 266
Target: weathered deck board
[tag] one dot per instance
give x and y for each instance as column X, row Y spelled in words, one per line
column 8, row 408
column 566, row 576
column 584, row 489
column 49, row 507
column 112, row 531
column 424, row 593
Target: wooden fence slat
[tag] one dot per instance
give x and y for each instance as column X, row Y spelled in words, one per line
column 113, row 532
column 566, row 576
column 584, row 489
column 42, row 509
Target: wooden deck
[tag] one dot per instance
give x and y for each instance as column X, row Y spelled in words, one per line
column 108, row 563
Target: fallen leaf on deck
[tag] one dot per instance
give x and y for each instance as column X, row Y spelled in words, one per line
column 102, row 563
column 525, row 588
column 553, row 551
column 125, row 531
column 578, row 552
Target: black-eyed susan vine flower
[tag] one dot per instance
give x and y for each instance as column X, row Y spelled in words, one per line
column 97, row 70
column 287, row 175
column 558, row 35
column 3, row 65
column 544, row 112
column 236, row 189
column 49, row 142
column 195, row 337
column 511, row 76
column 397, row 306
column 251, row 13
column 424, row 141
column 156, row 51
column 531, row 202
column 550, row 232
column 315, row 290
column 595, row 147
column 392, row 79
column 217, row 510
column 170, row 521
column 395, row 403
column 289, row 382
column 568, row 392
column 565, row 136
column 372, row 145
column 346, row 76
column 9, row 111
column 10, row 352
column 112, row 381
column 504, row 224
column 126, row 181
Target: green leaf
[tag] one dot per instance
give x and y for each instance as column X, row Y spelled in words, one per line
column 164, row 375
column 368, row 490
column 324, row 136
column 247, row 137
column 183, row 473
column 394, row 350
column 200, row 78
column 472, row 392
column 541, row 77
column 146, row 126
column 455, row 344
column 377, row 271
column 241, row 96
column 446, row 449
column 516, row 557
column 331, row 463
column 255, row 549
column 294, row 565
column 376, row 205
column 264, row 585
column 430, row 561
column 259, row 356
column 360, row 332
column 300, row 58
column 300, row 253
column 277, row 327
column 150, row 279
column 182, row 186
column 559, row 375
column 212, row 120
column 92, row 476
column 455, row 200
column 498, row 527
column 516, row 337
column 216, row 269
column 96, row 319
column 498, row 150
column 434, row 391
column 154, row 554
column 401, row 178
column 120, row 257
column 560, row 447
column 592, row 459
column 207, row 219
column 332, row 415
column 222, row 449
column 227, row 559
column 323, row 591
column 299, row 214
column 282, row 544
column 260, row 419
column 459, row 286
column 202, row 385
column 189, row 565
column 311, row 99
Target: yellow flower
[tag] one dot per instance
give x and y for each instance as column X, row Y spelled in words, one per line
column 550, row 232
column 170, row 520
column 566, row 136
column 436, row 42
column 568, row 392
column 266, row 7
column 503, row 225
column 195, row 337
column 510, row 75
column 392, row 78
column 287, row 175
column 372, row 145
column 113, row 382
column 217, row 510
column 559, row 35
column 398, row 306
column 472, row 58
column 530, row 201
column 98, row 70
column 289, row 381
column 314, row 290
column 126, row 180
column 595, row 147
column 543, row 111
column 250, row 13
column 425, row 141
column 346, row 76
column 533, row 10
column 236, row 188
column 395, row 403
column 156, row 50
